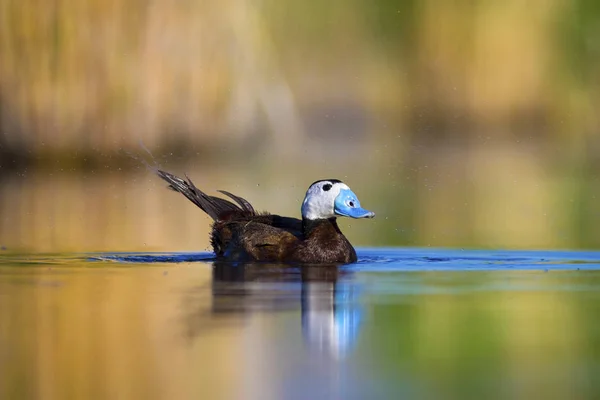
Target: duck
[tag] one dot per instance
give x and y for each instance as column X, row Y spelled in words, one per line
column 240, row 233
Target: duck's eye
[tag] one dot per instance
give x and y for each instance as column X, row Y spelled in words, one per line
column 326, row 187
column 351, row 204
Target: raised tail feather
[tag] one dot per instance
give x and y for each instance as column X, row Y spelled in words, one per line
column 215, row 207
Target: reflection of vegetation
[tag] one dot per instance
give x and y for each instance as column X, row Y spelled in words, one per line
column 496, row 344
column 122, row 331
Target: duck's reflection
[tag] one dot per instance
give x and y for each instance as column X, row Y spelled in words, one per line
column 330, row 310
column 330, row 314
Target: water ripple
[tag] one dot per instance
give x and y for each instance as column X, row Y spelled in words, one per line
column 149, row 258
column 370, row 259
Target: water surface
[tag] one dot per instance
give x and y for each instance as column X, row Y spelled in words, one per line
column 410, row 323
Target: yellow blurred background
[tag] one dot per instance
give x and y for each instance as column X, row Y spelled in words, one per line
column 460, row 123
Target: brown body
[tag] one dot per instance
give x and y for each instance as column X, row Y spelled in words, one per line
column 240, row 233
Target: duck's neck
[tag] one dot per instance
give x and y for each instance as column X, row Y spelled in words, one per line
column 311, row 226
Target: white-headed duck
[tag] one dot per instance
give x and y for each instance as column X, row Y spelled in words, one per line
column 240, row 233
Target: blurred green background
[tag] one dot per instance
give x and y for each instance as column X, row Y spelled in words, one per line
column 460, row 123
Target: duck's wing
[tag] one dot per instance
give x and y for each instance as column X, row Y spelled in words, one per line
column 292, row 225
column 256, row 230
column 260, row 242
column 215, row 207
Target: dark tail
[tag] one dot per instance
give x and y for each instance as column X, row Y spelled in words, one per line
column 215, row 207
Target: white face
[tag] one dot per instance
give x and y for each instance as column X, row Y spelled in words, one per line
column 320, row 198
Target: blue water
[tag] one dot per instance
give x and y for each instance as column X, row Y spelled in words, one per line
column 400, row 323
column 408, row 259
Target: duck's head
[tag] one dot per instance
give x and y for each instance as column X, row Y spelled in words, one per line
column 330, row 198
